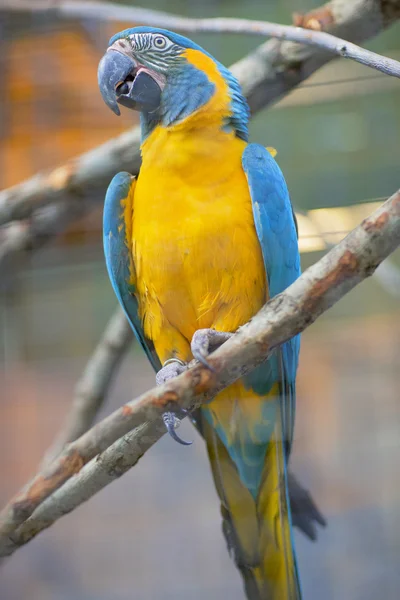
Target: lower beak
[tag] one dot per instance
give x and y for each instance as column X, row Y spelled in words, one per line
column 122, row 81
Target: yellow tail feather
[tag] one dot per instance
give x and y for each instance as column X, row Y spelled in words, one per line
column 257, row 531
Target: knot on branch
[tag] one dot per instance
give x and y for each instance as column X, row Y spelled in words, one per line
column 60, row 178
column 375, row 225
column 319, row 19
column 347, row 266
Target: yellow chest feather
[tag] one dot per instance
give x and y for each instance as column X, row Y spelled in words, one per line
column 197, row 258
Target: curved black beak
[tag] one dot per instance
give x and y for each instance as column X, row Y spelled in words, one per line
column 121, row 81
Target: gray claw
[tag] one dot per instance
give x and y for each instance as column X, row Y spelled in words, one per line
column 202, row 359
column 206, row 340
column 172, row 368
column 171, row 422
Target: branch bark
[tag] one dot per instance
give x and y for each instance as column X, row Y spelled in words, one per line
column 287, row 314
column 93, row 386
column 313, row 36
column 266, row 75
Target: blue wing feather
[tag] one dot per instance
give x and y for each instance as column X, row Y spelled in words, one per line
column 276, row 231
column 118, row 258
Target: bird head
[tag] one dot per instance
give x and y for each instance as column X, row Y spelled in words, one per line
column 168, row 79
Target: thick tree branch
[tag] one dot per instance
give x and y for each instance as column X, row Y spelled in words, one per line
column 23, row 237
column 266, row 75
column 77, row 182
column 95, row 382
column 116, row 460
column 323, row 284
column 108, row 11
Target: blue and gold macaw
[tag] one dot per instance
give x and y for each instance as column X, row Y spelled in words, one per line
column 194, row 247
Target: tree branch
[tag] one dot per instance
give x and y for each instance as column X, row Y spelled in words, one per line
column 23, row 237
column 92, row 387
column 265, row 75
column 285, row 315
column 116, row 460
column 108, row 11
column 78, row 182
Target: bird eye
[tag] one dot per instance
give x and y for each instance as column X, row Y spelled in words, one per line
column 160, row 42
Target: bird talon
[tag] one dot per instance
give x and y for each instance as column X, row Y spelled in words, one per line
column 202, row 359
column 172, row 422
column 205, row 341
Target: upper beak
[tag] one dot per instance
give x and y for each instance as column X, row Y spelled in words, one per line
column 122, row 80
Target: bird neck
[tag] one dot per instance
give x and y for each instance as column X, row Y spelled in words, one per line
column 203, row 97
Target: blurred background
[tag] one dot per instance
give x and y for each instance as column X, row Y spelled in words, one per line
column 155, row 533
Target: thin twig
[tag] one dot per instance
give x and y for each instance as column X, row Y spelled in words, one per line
column 108, row 11
column 287, row 314
column 93, row 386
column 266, row 74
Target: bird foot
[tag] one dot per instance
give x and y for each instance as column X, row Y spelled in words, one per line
column 172, row 419
column 170, row 369
column 172, row 422
column 205, row 341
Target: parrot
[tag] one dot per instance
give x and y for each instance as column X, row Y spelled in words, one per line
column 195, row 245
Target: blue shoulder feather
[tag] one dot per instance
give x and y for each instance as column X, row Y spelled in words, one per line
column 119, row 260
